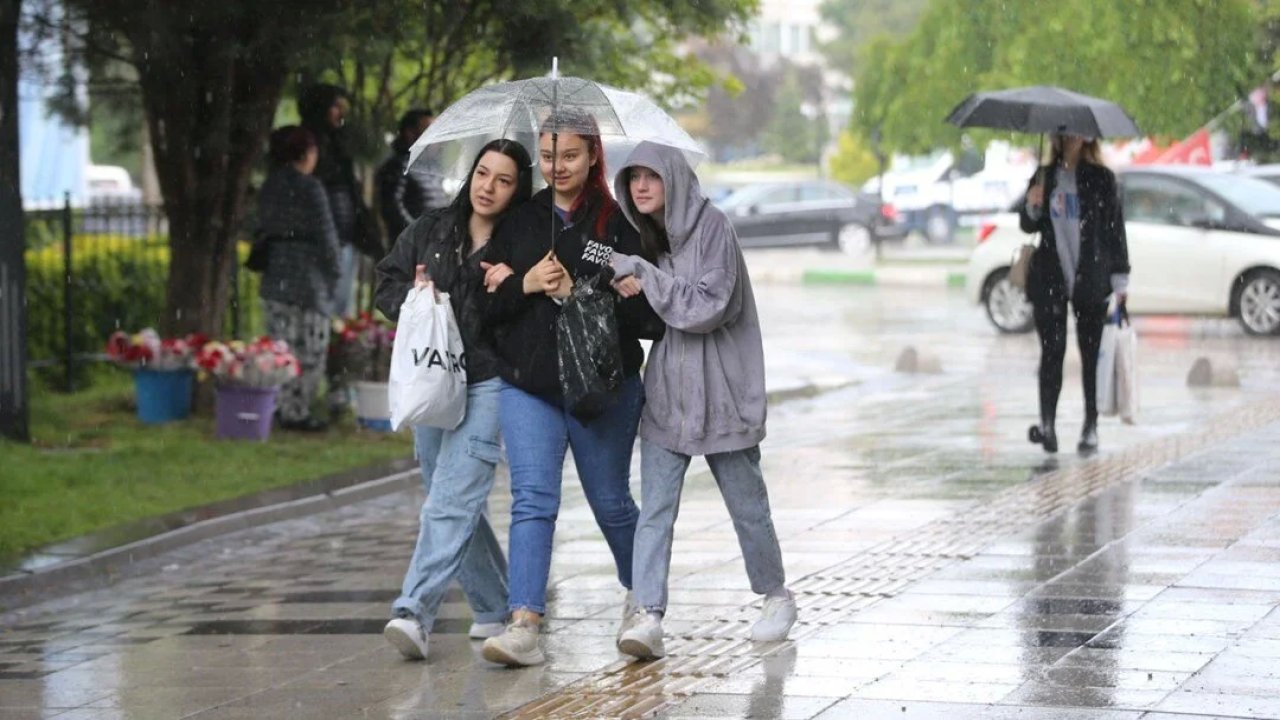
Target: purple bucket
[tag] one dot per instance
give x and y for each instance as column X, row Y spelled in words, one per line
column 244, row 413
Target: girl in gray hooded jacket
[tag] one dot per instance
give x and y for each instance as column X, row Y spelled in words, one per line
column 704, row 384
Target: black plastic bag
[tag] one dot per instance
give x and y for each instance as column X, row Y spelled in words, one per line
column 589, row 351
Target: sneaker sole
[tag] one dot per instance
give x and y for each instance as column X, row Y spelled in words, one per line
column 639, row 650
column 499, row 656
column 773, row 637
column 402, row 642
column 475, row 634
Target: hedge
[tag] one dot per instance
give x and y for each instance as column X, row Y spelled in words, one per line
column 117, row 283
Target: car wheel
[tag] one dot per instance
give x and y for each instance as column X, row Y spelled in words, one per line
column 1259, row 301
column 940, row 225
column 1007, row 305
column 853, row 239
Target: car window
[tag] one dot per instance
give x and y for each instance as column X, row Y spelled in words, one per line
column 1168, row 203
column 1257, row 197
column 821, row 192
column 777, row 196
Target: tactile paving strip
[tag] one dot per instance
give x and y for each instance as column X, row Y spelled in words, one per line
column 717, row 650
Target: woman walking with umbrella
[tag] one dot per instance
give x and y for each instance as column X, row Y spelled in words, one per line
column 1082, row 258
column 1083, row 255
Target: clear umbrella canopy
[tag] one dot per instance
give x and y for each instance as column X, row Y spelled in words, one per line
column 522, row 109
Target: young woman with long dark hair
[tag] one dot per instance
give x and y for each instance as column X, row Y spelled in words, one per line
column 446, row 247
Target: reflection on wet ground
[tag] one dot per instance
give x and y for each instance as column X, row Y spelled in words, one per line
column 944, row 567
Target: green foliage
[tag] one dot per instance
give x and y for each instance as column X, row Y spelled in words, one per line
column 791, row 134
column 118, row 283
column 1173, row 64
column 404, row 53
column 853, row 162
column 858, row 22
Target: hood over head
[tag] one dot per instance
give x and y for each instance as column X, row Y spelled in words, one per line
column 684, row 198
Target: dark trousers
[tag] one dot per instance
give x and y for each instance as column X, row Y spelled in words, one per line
column 1051, row 326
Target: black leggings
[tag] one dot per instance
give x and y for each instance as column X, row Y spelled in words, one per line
column 1051, row 326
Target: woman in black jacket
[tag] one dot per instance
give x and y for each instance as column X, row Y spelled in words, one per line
column 1082, row 258
column 454, row 537
column 567, row 232
column 302, row 267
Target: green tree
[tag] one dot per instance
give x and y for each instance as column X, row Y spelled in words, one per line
column 853, row 162
column 857, row 22
column 792, row 133
column 1173, row 64
column 211, row 76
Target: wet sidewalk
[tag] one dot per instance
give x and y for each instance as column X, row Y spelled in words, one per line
column 944, row 568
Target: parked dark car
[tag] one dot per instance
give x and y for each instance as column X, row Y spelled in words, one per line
column 807, row 213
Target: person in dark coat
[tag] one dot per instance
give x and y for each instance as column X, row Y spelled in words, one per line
column 1082, row 259
column 567, row 232
column 302, row 267
column 323, row 109
column 446, row 246
column 404, row 197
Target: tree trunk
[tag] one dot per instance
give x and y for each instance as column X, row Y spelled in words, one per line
column 210, row 101
column 14, row 411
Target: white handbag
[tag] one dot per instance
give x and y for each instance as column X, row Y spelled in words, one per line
column 428, row 381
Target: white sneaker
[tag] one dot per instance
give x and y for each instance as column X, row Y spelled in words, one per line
column 517, row 646
column 643, row 639
column 776, row 618
column 408, row 636
column 484, row 631
column 629, row 610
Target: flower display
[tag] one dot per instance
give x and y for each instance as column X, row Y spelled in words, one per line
column 360, row 348
column 147, row 350
column 261, row 363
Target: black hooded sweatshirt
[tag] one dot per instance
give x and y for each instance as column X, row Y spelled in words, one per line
column 524, row 326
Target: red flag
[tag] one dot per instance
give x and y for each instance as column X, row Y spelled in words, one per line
column 1149, row 154
column 1191, row 151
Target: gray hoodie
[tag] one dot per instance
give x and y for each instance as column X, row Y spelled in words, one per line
column 704, row 382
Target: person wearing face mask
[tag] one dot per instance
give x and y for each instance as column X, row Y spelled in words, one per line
column 566, row 232
column 445, row 247
column 1081, row 260
column 705, row 387
column 302, row 268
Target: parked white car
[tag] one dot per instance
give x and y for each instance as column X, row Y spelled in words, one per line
column 1201, row 243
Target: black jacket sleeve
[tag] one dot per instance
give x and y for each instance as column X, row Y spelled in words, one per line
column 1028, row 223
column 393, row 186
column 1117, row 245
column 509, row 301
column 396, row 270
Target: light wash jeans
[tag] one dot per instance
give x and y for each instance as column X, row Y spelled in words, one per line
column 454, row 536
column 537, row 433
column 345, row 291
column 741, row 484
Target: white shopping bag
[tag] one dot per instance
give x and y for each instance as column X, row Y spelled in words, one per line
column 428, row 382
column 1126, row 377
column 1106, row 388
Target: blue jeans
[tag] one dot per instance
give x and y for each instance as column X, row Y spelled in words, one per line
column 454, row 537
column 537, row 433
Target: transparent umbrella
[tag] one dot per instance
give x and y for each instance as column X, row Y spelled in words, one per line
column 520, row 110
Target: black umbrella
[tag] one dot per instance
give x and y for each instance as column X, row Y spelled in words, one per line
column 1044, row 109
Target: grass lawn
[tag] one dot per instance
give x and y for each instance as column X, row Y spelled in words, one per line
column 92, row 465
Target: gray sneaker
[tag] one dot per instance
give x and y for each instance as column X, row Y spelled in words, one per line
column 484, row 631
column 517, row 646
column 408, row 636
column 629, row 610
column 776, row 618
column 643, row 638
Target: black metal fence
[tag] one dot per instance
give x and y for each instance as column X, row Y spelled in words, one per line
column 96, row 269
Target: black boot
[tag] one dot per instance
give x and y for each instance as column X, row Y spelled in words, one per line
column 1089, row 437
column 1044, row 434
